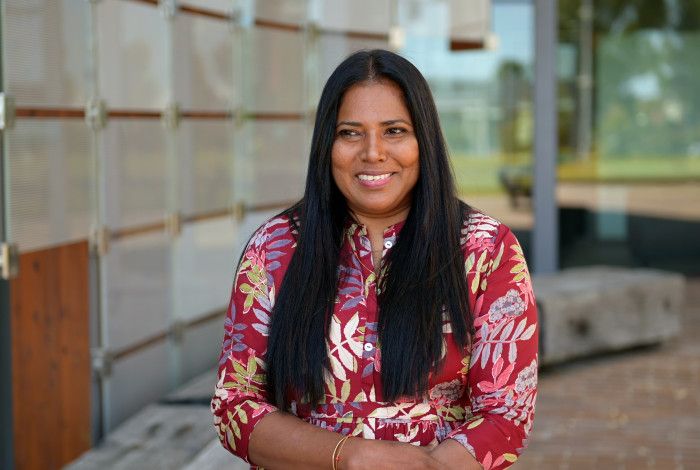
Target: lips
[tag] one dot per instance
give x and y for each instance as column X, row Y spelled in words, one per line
column 364, row 177
column 374, row 180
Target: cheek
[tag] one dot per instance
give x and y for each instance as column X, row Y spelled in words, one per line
column 412, row 162
column 413, row 169
column 341, row 163
column 337, row 177
column 415, row 173
column 409, row 155
column 340, row 174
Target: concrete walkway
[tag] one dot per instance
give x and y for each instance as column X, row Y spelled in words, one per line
column 636, row 409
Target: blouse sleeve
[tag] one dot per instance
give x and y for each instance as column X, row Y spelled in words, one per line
column 502, row 379
column 240, row 399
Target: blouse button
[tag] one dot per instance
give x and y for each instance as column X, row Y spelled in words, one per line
column 388, row 244
column 368, row 347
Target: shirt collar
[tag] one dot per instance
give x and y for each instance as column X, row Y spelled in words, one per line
column 353, row 227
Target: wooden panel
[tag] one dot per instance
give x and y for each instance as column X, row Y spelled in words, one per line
column 51, row 357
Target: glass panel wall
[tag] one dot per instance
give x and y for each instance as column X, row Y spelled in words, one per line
column 46, row 63
column 135, row 187
column 48, row 195
column 277, row 68
column 629, row 133
column 132, row 54
column 204, row 69
column 47, row 162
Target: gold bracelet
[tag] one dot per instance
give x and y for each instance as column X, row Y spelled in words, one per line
column 335, row 458
column 334, row 451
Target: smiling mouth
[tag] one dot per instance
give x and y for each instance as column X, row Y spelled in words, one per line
column 374, row 177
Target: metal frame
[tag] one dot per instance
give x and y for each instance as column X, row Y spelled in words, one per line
column 174, row 330
column 6, row 422
column 96, row 117
column 103, row 358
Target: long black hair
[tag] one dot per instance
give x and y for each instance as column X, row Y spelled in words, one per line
column 425, row 276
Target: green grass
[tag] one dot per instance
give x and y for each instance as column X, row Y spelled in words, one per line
column 479, row 174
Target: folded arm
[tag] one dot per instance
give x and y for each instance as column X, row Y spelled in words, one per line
column 502, row 380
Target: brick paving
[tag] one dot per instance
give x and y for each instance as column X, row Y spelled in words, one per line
column 637, row 409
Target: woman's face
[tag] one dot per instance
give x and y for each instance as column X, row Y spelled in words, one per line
column 375, row 152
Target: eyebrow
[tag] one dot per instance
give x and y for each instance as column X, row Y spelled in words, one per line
column 384, row 123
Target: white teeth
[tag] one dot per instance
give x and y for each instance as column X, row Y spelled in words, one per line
column 374, row 177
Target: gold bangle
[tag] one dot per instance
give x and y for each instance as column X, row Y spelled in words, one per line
column 335, row 458
column 334, row 451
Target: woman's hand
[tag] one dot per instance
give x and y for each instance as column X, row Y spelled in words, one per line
column 361, row 454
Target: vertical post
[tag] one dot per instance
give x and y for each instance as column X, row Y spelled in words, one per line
column 96, row 120
column 584, row 81
column 545, row 232
column 236, row 104
column 4, row 202
column 171, row 121
column 243, row 171
column 7, row 459
column 6, row 437
column 311, row 86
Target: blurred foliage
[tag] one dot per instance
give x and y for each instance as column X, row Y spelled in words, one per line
column 644, row 74
column 514, row 99
column 645, row 118
column 625, row 16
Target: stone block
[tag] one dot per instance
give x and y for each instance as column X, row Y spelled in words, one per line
column 158, row 437
column 591, row 310
column 215, row 457
column 199, row 390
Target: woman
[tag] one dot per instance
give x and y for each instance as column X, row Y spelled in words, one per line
column 379, row 307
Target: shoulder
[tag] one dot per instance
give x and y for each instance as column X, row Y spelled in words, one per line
column 481, row 232
column 274, row 234
column 479, row 223
column 269, row 250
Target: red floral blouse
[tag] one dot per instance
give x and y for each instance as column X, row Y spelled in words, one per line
column 483, row 397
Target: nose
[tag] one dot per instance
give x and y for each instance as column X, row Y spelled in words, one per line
column 374, row 147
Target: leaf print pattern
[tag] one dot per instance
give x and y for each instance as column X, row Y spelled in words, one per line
column 510, row 304
column 483, row 397
column 503, row 364
column 343, row 347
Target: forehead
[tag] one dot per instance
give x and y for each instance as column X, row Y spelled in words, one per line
column 382, row 100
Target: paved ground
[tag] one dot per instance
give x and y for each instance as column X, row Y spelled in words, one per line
column 638, row 409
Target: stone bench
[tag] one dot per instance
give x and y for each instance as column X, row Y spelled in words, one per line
column 597, row 309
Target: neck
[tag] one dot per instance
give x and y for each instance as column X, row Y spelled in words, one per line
column 376, row 223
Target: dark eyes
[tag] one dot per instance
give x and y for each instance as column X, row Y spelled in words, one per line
column 396, row 130
column 391, row 131
column 348, row 133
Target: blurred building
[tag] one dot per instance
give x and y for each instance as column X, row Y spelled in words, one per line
column 144, row 140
